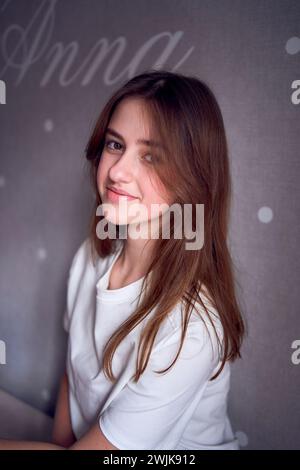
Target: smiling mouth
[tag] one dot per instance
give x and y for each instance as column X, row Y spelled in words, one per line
column 123, row 193
column 113, row 195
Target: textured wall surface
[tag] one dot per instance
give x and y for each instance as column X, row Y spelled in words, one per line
column 60, row 60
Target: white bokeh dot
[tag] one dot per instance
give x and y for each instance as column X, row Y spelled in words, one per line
column 293, row 45
column 41, row 254
column 48, row 125
column 45, row 394
column 242, row 438
column 265, row 214
column 2, row 181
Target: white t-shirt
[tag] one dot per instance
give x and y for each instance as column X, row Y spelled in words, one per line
column 179, row 409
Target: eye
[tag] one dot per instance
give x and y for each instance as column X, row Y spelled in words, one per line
column 148, row 157
column 107, row 142
column 151, row 158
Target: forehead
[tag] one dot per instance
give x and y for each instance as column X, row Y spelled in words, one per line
column 130, row 120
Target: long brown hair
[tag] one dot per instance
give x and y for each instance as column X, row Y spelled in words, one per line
column 184, row 113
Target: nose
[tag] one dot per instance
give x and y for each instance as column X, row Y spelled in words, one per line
column 124, row 169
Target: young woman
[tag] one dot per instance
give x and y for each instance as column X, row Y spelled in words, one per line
column 152, row 325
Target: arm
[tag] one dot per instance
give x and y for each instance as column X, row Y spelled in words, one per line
column 7, row 444
column 94, row 439
column 62, row 433
column 62, row 429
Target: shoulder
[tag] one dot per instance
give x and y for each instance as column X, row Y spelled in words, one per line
column 82, row 255
column 81, row 267
column 87, row 267
column 75, row 276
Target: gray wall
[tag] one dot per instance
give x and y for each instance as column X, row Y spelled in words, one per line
column 245, row 51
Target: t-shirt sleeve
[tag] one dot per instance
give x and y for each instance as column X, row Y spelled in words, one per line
column 152, row 413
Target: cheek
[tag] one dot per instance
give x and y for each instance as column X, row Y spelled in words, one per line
column 154, row 191
column 154, row 194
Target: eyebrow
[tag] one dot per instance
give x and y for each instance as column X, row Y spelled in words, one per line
column 149, row 143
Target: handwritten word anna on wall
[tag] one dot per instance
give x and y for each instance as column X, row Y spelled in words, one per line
column 23, row 46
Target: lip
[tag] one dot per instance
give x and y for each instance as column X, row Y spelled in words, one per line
column 115, row 194
column 119, row 191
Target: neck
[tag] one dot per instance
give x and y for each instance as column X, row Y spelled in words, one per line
column 136, row 255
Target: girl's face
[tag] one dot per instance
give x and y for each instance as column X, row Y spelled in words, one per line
column 125, row 164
